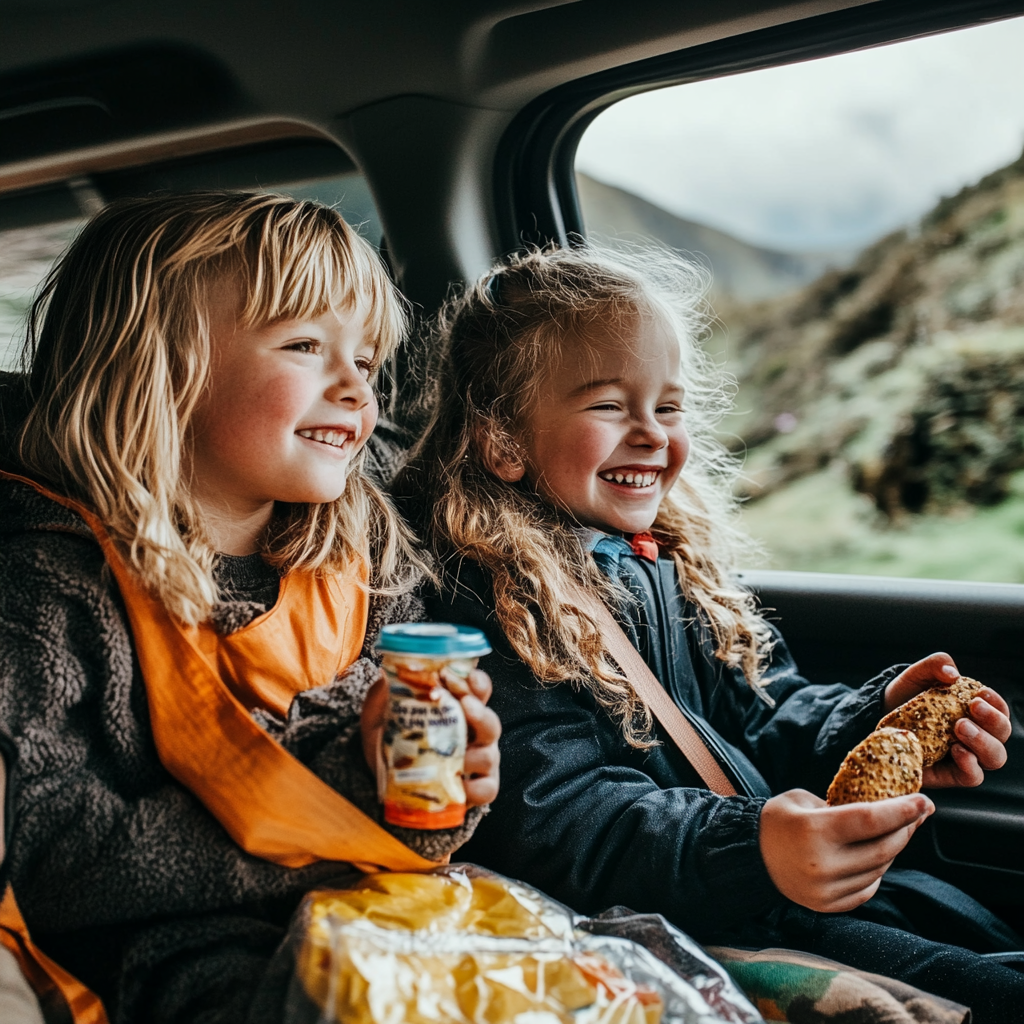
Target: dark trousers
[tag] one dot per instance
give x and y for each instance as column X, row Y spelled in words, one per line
column 920, row 931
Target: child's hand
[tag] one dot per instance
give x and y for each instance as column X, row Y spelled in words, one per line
column 481, row 774
column 832, row 859
column 480, row 777
column 981, row 737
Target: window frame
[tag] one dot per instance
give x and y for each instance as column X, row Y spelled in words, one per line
column 536, row 202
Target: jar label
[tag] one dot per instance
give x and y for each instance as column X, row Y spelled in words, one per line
column 424, row 744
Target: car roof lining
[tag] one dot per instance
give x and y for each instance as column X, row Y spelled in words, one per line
column 321, row 60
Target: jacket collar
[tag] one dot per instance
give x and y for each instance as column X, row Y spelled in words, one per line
column 610, row 548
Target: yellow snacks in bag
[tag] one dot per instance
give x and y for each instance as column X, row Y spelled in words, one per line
column 463, row 946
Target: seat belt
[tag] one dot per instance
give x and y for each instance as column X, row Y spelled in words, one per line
column 682, row 733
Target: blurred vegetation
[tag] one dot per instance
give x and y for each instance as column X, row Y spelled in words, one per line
column 882, row 406
column 819, row 523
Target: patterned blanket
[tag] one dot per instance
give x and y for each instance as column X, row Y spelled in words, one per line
column 786, row 985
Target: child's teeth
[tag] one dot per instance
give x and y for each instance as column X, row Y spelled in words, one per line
column 332, row 437
column 631, row 479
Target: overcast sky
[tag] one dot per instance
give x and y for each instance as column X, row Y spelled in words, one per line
column 827, row 154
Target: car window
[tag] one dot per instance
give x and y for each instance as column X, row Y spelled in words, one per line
column 863, row 218
column 36, row 225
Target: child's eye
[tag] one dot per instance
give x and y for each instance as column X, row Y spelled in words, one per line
column 366, row 366
column 303, row 345
column 605, row 407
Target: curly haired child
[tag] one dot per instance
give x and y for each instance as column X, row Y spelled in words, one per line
column 572, row 457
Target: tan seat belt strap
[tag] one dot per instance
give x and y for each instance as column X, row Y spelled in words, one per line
column 664, row 709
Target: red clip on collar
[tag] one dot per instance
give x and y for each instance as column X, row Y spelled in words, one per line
column 644, row 546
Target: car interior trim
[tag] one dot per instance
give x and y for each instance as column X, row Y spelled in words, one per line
column 138, row 152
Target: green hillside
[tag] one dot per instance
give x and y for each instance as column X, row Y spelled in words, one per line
column 881, row 406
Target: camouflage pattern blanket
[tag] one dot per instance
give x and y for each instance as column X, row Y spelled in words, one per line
column 786, row 985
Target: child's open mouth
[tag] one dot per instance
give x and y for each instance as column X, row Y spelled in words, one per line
column 334, row 438
column 631, row 477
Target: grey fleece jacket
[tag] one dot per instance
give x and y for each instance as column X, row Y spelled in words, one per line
column 122, row 875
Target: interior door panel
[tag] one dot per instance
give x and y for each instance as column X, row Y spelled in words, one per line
column 847, row 628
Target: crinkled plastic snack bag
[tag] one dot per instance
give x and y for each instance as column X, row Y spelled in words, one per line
column 464, row 946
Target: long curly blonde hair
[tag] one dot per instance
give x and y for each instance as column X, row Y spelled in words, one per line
column 119, row 356
column 498, row 340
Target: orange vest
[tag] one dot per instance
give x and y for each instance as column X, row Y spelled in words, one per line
column 200, row 687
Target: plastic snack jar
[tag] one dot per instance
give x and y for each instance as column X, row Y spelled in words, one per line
column 424, row 744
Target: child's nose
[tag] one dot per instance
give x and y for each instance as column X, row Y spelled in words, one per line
column 649, row 433
column 350, row 387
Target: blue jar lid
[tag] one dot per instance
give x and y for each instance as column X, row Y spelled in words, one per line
column 433, row 638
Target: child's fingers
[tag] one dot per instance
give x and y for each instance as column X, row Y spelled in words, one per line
column 849, row 899
column 480, row 684
column 372, row 718
column 857, row 823
column 482, row 761
column 936, row 669
column 481, row 791
column 991, row 697
column 860, row 859
column 481, row 771
column 979, row 747
column 454, row 683
column 959, row 769
column 375, row 707
column 994, row 720
column 851, row 884
column 968, row 772
column 991, row 754
column 484, row 724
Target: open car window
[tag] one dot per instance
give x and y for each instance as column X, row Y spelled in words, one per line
column 37, row 224
column 863, row 218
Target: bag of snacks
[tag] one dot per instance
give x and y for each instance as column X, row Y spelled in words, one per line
column 461, row 945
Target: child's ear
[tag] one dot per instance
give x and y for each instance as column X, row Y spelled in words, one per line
column 499, row 459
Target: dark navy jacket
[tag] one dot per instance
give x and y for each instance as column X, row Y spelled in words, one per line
column 594, row 822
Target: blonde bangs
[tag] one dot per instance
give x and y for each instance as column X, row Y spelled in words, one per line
column 315, row 262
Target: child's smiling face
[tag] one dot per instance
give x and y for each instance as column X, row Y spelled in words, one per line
column 606, row 439
column 287, row 408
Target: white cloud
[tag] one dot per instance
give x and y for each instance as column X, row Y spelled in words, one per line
column 826, row 154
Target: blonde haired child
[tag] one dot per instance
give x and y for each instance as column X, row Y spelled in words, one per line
column 193, row 569
column 572, row 448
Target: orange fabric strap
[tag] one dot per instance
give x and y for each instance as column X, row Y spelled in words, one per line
column 652, row 693
column 41, row 972
column 314, row 631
